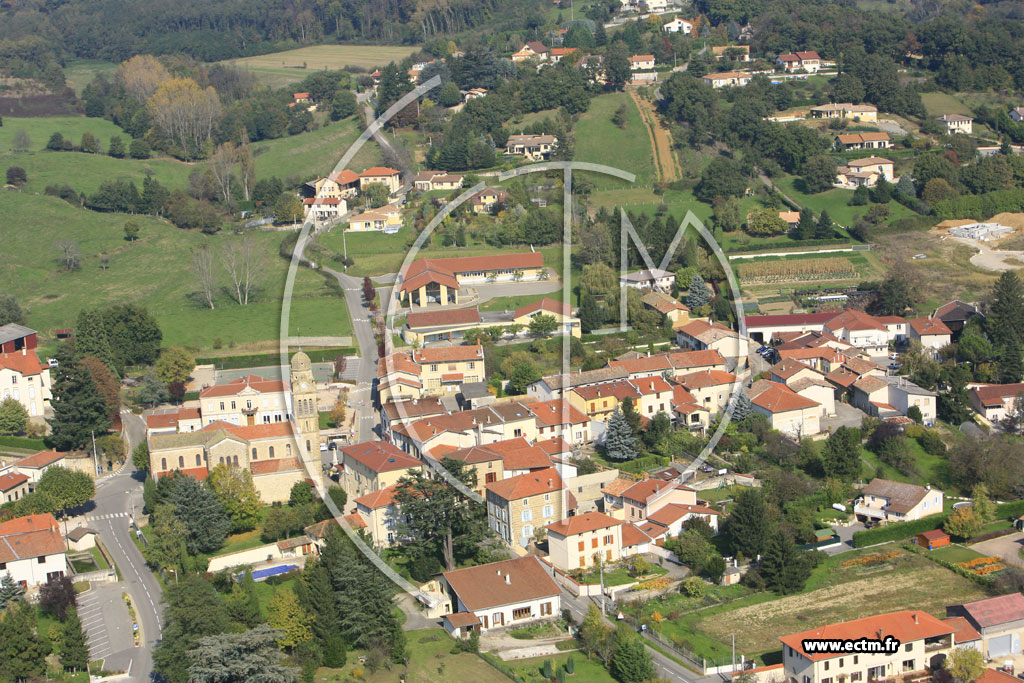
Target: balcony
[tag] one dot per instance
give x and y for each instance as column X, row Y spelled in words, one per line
column 937, row 643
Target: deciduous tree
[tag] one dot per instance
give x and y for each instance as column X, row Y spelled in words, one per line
column 175, row 364
column 13, row 417
column 237, row 494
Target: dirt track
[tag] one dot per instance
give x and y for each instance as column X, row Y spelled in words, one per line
column 661, row 140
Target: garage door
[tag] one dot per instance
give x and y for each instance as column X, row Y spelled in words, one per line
column 1003, row 645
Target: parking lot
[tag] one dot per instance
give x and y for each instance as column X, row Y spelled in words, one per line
column 107, row 624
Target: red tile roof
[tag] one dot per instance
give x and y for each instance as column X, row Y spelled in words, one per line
column 964, row 632
column 471, row 455
column 26, row 363
column 924, row 326
column 998, row 610
column 706, row 378
column 996, row 676
column 12, row 480
column 788, row 367
column 788, row 320
column 508, row 582
column 581, row 524
column 274, row 465
column 444, row 270
column 168, row 420
column 378, row 499
column 675, row 511
column 462, row 619
column 518, row 454
column 414, row 409
column 642, row 491
column 271, row 430
column 448, row 354
column 779, row 398
column 29, row 537
column 994, row 394
column 632, row 535
column 556, row 412
column 356, row 521
column 397, row 362
column 378, row 171
column 454, row 316
column 529, row 484
column 234, row 387
column 41, row 459
column 934, row 535
column 345, row 177
column 547, row 305
column 381, row 456
column 906, row 627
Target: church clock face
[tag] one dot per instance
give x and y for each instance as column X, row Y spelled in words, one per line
column 304, row 385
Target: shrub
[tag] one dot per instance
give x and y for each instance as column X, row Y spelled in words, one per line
column 897, row 531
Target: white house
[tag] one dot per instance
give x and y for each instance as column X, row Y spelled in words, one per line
column 955, row 123
column 649, row 279
column 506, row 593
column 22, row 376
column 35, row 465
column 931, row 332
column 32, row 550
column 895, row 501
column 678, row 25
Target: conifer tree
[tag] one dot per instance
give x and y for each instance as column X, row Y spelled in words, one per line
column 619, row 443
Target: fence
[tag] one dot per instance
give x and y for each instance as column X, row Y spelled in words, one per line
column 689, row 658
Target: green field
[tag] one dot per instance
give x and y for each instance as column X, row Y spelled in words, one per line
column 939, row 103
column 532, row 670
column 153, row 271
column 954, row 553
column 80, row 72
column 931, row 469
column 281, row 68
column 308, row 155
column 600, row 141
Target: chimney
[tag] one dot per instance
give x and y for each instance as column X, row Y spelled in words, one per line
column 24, row 350
column 549, row 482
column 508, row 579
column 880, row 633
column 915, row 617
column 415, row 401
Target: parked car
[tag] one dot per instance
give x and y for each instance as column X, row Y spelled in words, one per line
column 52, row 362
column 895, row 365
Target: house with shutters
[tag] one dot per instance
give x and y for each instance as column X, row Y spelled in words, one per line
column 787, row 411
column 995, row 402
column 32, row 550
column 808, row 61
column 581, row 541
column 922, row 643
column 957, row 124
column 373, row 466
column 533, row 147
column 848, row 142
column 22, row 376
column 388, row 177
column 507, row 593
column 518, row 506
column 535, row 50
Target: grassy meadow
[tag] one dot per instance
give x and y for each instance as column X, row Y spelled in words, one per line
column 281, row 68
column 153, row 271
column 599, row 140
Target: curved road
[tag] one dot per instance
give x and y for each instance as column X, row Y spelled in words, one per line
column 122, row 493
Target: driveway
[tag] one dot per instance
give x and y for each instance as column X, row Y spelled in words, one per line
column 1005, row 547
column 107, row 625
column 845, row 534
column 846, row 416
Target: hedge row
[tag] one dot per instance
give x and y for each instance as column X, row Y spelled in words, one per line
column 255, row 360
column 803, row 245
column 21, row 442
column 897, row 531
column 1011, row 510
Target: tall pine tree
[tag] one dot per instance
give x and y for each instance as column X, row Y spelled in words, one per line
column 806, row 227
column 1005, row 322
column 824, row 230
column 91, row 337
column 74, row 653
column 591, row 315
column 699, row 294
column 79, row 411
column 784, row 568
column 748, row 523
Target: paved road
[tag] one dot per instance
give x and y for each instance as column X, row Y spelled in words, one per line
column 118, row 494
column 360, row 398
column 1006, row 547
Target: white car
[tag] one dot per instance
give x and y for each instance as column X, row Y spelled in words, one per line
column 52, row 362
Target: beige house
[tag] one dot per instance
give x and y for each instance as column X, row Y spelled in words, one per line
column 641, row 62
column 398, row 378
column 932, row 333
column 599, row 401
column 561, row 312
column 892, row 396
column 732, row 53
column 381, row 516
column 710, row 388
column 388, row 177
column 427, row 181
column 443, row 369
column 13, row 486
column 480, row 426
column 487, row 199
column 922, row 642
column 340, row 185
column 518, row 506
column 557, row 419
column 701, row 335
column 789, row 370
column 35, row 465
column 787, row 411
column 394, row 413
column 808, row 61
column 644, row 498
column 533, row 147
column 995, row 401
column 677, row 312
column 535, row 50
column 893, row 501
column 580, row 542
column 671, row 364
column 957, row 124
column 247, row 400
column 324, row 208
column 727, row 79
column 26, row 380
column 487, row 463
column 382, row 219
column 372, row 466
column 506, row 593
column 846, row 142
column 845, row 110
column 881, row 167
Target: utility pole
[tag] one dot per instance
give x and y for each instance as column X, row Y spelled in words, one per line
column 344, row 247
column 733, row 654
column 604, row 598
column 95, row 457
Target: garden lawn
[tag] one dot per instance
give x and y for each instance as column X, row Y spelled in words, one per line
column 939, row 103
column 531, row 670
column 836, row 202
column 833, row 593
column 430, row 660
column 243, row 541
column 281, row 68
column 931, row 469
column 153, row 271
column 954, row 554
column 303, row 157
column 598, row 140
column 620, row 576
